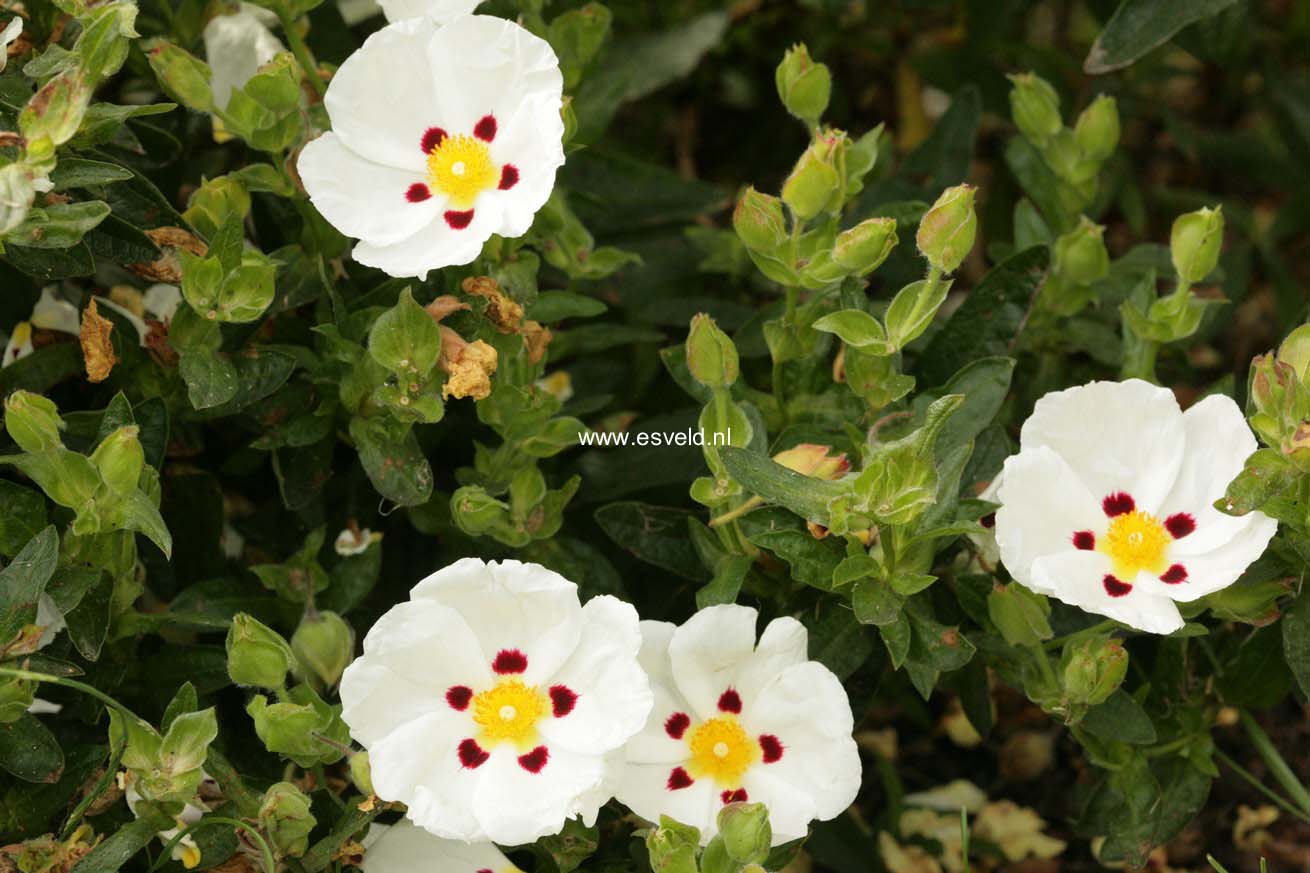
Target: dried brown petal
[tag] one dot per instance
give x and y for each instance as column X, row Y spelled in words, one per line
column 97, row 347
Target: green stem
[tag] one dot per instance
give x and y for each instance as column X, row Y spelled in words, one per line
column 1277, row 765
column 102, row 784
column 270, row 866
column 300, row 48
column 1255, row 783
column 1044, row 665
column 72, row 683
column 1139, row 360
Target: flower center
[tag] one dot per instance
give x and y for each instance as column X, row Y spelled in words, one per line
column 1136, row 541
column 722, row 751
column 509, row 712
column 461, row 168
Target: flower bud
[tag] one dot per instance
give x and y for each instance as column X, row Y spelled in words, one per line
column 33, row 422
column 285, row 818
column 804, row 86
column 759, row 221
column 1272, row 392
column 1035, row 108
column 1097, row 129
column 1195, row 242
column 813, row 182
column 746, row 832
column 324, row 644
column 214, row 201
column 301, row 726
column 1021, row 616
column 814, row 460
column 55, row 112
column 1093, row 669
column 183, row 75
column 1295, row 351
column 673, row 847
column 1080, row 254
column 475, row 511
column 361, row 773
column 863, row 248
column 16, row 696
column 256, row 654
column 120, row 458
column 711, row 356
column 947, row 231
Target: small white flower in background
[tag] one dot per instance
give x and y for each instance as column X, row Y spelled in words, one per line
column 185, row 850
column 441, row 10
column 558, row 384
column 52, row 312
column 12, row 31
column 1016, row 830
column 406, row 848
column 1108, row 504
column 737, row 721
column 354, row 541
column 236, row 46
column 952, row 797
column 442, row 135
column 494, row 704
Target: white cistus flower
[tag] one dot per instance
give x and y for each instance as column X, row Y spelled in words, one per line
column 406, row 848
column 236, row 46
column 12, row 30
column 442, row 135
column 440, row 10
column 495, row 705
column 739, row 721
column 186, row 850
column 53, row 313
column 1108, row 504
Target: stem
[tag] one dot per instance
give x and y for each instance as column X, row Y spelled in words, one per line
column 107, row 779
column 72, row 683
column 734, row 514
column 270, row 866
column 1044, row 665
column 1261, row 787
column 1276, row 763
column 300, row 48
column 1139, row 360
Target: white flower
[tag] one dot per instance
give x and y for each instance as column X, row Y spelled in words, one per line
column 737, row 721
column 441, row 10
column 354, row 541
column 441, row 137
column 237, row 46
column 11, row 32
column 406, row 848
column 185, row 850
column 1108, row 504
column 494, row 705
column 53, row 313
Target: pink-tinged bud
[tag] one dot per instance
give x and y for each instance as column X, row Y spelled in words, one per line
column 813, row 460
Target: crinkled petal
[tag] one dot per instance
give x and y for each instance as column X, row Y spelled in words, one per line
column 1117, row 436
column 405, row 848
column 1078, row 578
column 645, row 790
column 362, row 199
column 1214, row 570
column 440, row 10
column 435, row 246
column 1043, row 503
column 512, row 606
column 613, row 695
column 514, row 806
column 418, row 765
column 784, row 643
column 707, row 650
column 653, row 744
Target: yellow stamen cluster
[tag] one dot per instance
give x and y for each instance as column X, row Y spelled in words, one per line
column 1136, row 541
column 509, row 712
column 461, row 168
column 721, row 750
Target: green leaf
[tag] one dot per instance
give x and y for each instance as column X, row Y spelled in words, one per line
column 553, row 306
column 858, row 328
column 1138, row 26
column 23, row 517
column 80, row 173
column 29, row 751
column 129, row 839
column 211, row 379
column 654, row 534
column 1120, row 719
column 88, row 621
column 22, row 582
column 913, row 309
column 393, row 460
column 1296, row 639
column 59, row 226
column 762, row 476
column 405, row 339
column 812, row 561
column 837, row 640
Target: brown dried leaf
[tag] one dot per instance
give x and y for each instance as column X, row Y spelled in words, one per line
column 97, row 347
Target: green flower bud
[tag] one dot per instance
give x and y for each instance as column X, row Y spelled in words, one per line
column 361, row 773
column 324, row 644
column 285, row 817
column 477, row 512
column 302, row 727
column 256, row 654
column 746, row 832
column 863, row 248
column 1080, row 254
column 947, row 231
column 1097, row 129
column 673, row 847
column 55, row 112
column 1295, row 351
column 814, row 181
column 711, row 356
column 120, row 459
column 16, row 696
column 1019, row 614
column 33, row 422
column 1035, row 108
column 1195, row 242
column 1273, row 389
column 182, row 74
column 759, row 221
column 1093, row 669
column 804, row 86
column 214, row 201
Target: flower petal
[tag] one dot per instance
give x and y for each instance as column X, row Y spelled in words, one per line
column 514, row 806
column 435, row 246
column 645, row 790
column 1078, row 578
column 440, row 10
column 417, row 764
column 404, row 847
column 784, row 643
column 236, row 46
column 1117, row 436
column 653, row 744
column 1214, row 570
column 613, row 695
column 1043, row 504
column 360, row 198
column 706, row 651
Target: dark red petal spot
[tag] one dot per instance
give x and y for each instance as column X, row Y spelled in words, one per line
column 536, row 759
column 1118, row 503
column 771, row 746
column 471, row 755
column 432, row 138
column 562, row 700
column 459, row 220
column 676, row 725
column 1180, row 524
column 509, row 177
column 738, row 796
column 1116, row 587
column 1084, row 539
column 510, row 661
column 485, row 870
column 730, row 701
column 988, row 520
column 417, row 193
column 458, row 696
column 485, row 129
column 1175, row 574
column 678, row 778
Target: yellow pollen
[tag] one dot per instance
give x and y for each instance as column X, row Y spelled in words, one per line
column 721, row 750
column 1136, row 541
column 461, row 168
column 509, row 712
column 190, row 857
